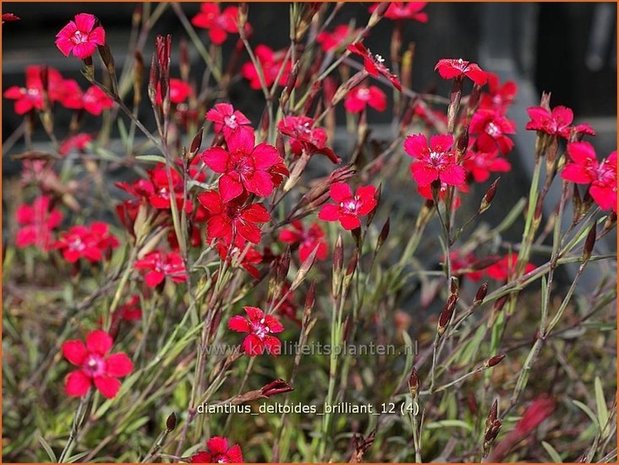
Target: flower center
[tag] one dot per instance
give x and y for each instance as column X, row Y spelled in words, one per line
column 231, row 121
column 350, row 206
column 260, row 329
column 364, row 94
column 79, row 37
column 94, row 365
column 77, row 244
column 493, row 130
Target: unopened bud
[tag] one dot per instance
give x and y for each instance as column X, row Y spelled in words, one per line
column 481, row 294
column 279, row 386
column 488, row 196
column 413, row 383
column 384, row 234
column 446, row 314
column 493, row 361
column 170, row 423
column 589, row 243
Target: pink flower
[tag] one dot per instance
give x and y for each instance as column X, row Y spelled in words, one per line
column 159, row 265
column 228, row 121
column 96, row 100
column 92, row 242
column 233, row 221
column 36, row 223
column 504, row 268
column 374, row 64
column 308, row 239
column 218, row 451
column 492, row 129
column 95, row 365
column 77, row 142
column 29, row 97
column 452, row 68
column 260, row 327
column 405, row 10
column 80, row 36
column 271, row 63
column 244, row 167
column 219, row 24
column 554, row 123
column 130, row 310
column 481, row 164
column 305, row 137
column 584, row 168
column 342, row 35
column 436, row 161
column 68, row 93
column 348, row 207
column 245, row 256
column 362, row 96
column 499, row 97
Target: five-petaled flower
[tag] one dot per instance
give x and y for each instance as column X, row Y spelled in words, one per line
column 492, row 129
column 554, row 123
column 96, row 100
column 362, row 96
column 131, row 310
column 480, row 164
column 78, row 142
column 584, row 168
column 80, row 36
column 505, row 267
column 95, row 365
column 244, row 166
column 93, row 242
column 233, row 221
column 348, row 207
column 218, row 451
column 434, row 161
column 228, row 121
column 260, row 327
column 457, row 68
column 159, row 265
column 305, row 137
column 30, row 97
column 36, row 223
column 178, row 91
column 405, row 10
column 340, row 36
column 273, row 65
column 308, row 239
column 219, row 23
column 374, row 64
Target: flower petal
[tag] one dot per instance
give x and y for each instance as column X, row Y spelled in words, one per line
column 118, row 365
column 340, row 191
column 107, row 385
column 74, row 351
column 239, row 324
column 76, row 384
column 99, row 341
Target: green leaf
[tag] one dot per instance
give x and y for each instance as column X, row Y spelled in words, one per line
column 601, row 404
column 151, row 158
column 77, row 457
column 554, row 455
column 588, row 411
column 449, row 424
column 47, row 447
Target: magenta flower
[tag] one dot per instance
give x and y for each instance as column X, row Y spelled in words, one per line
column 218, row 451
column 554, row 123
column 95, row 365
column 260, row 327
column 434, row 161
column 349, row 208
column 158, row 266
column 363, row 96
column 80, row 36
column 228, row 121
column 36, row 223
column 452, row 68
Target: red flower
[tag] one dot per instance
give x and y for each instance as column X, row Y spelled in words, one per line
column 362, row 96
column 91, row 242
column 465, row 265
column 348, row 207
column 80, row 36
column 179, row 91
column 436, row 161
column 68, row 93
column 426, row 193
column 583, row 129
column 229, row 220
column 308, row 239
column 499, row 97
column 130, row 310
column 504, row 268
column 452, row 68
column 481, row 164
column 159, row 265
column 219, row 24
column 219, row 452
column 305, row 137
column 271, row 63
column 260, row 327
column 9, row 17
column 537, row 411
column 374, row 64
column 244, row 167
column 244, row 256
column 554, row 123
column 330, row 41
column 31, row 96
column 405, row 10
column 228, row 121
column 584, row 168
column 36, row 223
column 491, row 128
column 95, row 365
column 96, row 100
column 77, row 142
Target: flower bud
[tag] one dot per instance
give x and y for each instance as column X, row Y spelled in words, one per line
column 413, row 383
column 384, row 234
column 446, row 314
column 589, row 244
column 481, row 294
column 170, row 423
column 493, row 361
column 278, row 386
column 488, row 197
